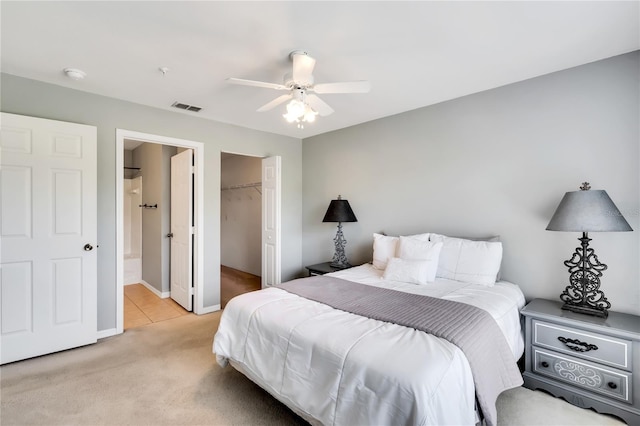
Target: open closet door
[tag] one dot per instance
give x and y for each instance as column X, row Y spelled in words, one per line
column 181, row 275
column 271, row 241
column 48, row 275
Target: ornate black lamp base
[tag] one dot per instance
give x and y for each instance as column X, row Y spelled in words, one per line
column 583, row 294
column 339, row 257
column 586, row 309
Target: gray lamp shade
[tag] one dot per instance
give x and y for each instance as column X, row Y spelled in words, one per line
column 588, row 211
column 339, row 211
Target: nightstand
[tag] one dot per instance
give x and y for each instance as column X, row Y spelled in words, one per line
column 589, row 361
column 322, row 268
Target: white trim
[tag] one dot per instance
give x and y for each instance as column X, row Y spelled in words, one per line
column 241, row 154
column 119, row 233
column 103, row 334
column 198, row 249
column 161, row 295
column 210, row 309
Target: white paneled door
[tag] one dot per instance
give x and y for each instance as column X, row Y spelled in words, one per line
column 48, row 227
column 271, row 265
column 182, row 229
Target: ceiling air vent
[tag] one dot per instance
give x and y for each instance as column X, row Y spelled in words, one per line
column 180, row 105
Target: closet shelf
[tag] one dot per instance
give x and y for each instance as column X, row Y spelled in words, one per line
column 255, row 185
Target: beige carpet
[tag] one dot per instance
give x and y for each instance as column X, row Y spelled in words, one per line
column 165, row 374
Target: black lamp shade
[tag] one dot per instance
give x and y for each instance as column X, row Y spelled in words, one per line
column 339, row 211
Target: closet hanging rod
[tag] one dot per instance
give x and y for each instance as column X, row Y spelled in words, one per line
column 245, row 185
column 132, row 168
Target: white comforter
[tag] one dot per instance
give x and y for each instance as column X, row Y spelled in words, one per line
column 337, row 368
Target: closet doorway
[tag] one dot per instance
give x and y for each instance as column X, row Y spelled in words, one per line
column 149, row 255
column 240, row 225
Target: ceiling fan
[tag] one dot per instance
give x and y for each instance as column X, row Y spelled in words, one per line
column 303, row 104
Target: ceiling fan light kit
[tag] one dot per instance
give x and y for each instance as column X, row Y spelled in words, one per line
column 298, row 110
column 302, row 106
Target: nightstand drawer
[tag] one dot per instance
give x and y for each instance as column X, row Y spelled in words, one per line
column 585, row 375
column 588, row 345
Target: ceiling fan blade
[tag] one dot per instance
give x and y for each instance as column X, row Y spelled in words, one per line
column 277, row 101
column 303, row 65
column 243, row 82
column 319, row 105
column 362, row 86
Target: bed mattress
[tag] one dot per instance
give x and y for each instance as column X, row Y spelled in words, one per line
column 337, row 368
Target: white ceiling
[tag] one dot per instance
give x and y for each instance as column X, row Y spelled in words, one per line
column 414, row 53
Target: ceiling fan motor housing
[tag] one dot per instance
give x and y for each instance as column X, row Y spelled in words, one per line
column 290, row 83
column 299, row 93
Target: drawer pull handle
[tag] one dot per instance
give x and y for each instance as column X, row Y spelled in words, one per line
column 577, row 345
column 612, row 385
column 545, row 364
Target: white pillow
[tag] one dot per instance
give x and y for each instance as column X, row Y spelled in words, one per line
column 411, row 248
column 474, row 262
column 408, row 271
column 421, row 237
column 384, row 248
column 493, row 239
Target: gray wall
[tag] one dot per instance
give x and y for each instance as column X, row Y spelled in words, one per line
column 496, row 162
column 492, row 163
column 37, row 99
column 241, row 214
column 154, row 161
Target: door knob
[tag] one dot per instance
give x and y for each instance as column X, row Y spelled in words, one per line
column 88, row 247
column 170, row 235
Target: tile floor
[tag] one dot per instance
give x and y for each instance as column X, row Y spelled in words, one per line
column 142, row 306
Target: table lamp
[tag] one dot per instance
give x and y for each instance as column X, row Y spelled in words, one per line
column 586, row 211
column 339, row 211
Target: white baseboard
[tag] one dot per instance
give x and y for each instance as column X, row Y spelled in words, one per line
column 209, row 309
column 167, row 294
column 106, row 333
column 161, row 295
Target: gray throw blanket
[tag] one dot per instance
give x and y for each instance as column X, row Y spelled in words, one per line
column 470, row 328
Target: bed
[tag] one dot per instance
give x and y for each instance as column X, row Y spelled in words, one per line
column 335, row 367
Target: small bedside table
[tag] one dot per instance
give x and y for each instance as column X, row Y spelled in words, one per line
column 322, row 268
column 591, row 362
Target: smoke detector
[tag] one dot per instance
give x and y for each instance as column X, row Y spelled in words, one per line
column 75, row 74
